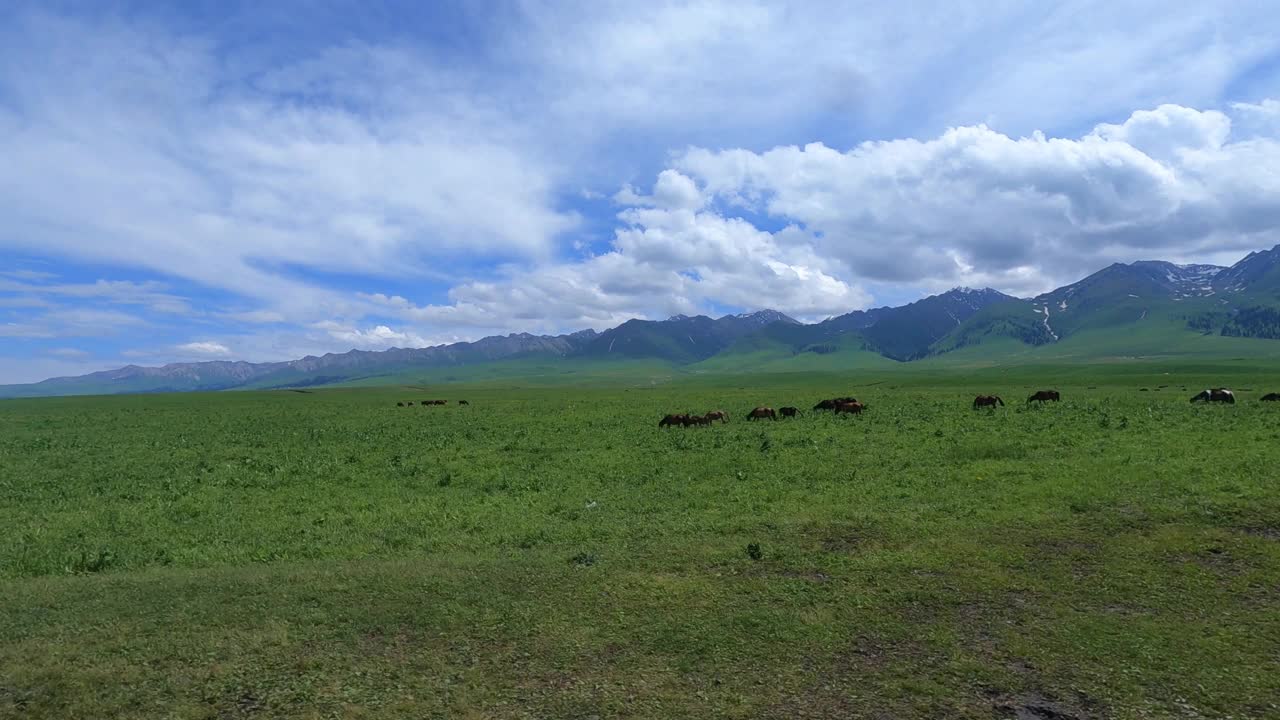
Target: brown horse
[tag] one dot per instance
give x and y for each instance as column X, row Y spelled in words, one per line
column 762, row 412
column 987, row 401
column 789, row 412
column 700, row 419
column 1271, row 397
column 833, row 402
column 399, row 404
column 681, row 419
column 1222, row 395
column 1043, row 396
column 854, row 407
column 720, row 415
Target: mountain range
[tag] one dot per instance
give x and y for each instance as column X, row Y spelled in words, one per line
column 1140, row 308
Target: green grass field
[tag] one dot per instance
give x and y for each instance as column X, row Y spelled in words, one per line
column 548, row 552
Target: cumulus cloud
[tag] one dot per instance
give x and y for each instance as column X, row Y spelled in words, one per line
column 205, row 348
column 669, row 256
column 976, row 206
column 377, row 337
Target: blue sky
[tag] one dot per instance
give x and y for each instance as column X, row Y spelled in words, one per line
column 262, row 181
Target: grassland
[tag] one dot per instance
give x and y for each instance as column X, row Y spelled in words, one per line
column 549, row 552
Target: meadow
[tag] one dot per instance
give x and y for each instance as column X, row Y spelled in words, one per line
column 549, row 552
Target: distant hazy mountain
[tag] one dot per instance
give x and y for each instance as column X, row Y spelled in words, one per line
column 310, row 370
column 1242, row 300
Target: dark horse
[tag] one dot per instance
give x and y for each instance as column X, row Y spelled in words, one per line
column 789, row 411
column 673, row 420
column 854, row 407
column 987, row 401
column 833, row 402
column 1044, row 395
column 762, row 412
column 720, row 415
column 463, row 402
column 1271, row 397
column 1215, row 395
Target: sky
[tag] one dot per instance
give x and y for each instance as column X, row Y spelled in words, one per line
column 262, row 181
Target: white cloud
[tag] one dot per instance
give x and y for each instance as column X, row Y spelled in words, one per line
column 975, row 206
column 152, row 294
column 205, row 348
column 377, row 337
column 72, row 322
column 134, row 147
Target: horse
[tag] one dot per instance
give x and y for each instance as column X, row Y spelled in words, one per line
column 463, row 402
column 673, row 420
column 399, row 404
column 1222, row 395
column 700, row 419
column 762, row 412
column 833, row 402
column 410, row 403
column 1044, row 395
column 854, row 407
column 789, row 412
column 987, row 401
column 1271, row 397
column 720, row 415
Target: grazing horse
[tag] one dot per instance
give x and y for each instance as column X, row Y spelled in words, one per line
column 463, row 402
column 410, row 403
column 762, row 412
column 833, row 402
column 789, row 411
column 854, row 407
column 700, row 419
column 1271, row 397
column 399, row 404
column 987, row 401
column 1215, row 395
column 720, row 415
column 673, row 420
column 1044, row 395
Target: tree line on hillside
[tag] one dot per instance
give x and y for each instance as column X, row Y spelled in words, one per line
column 1250, row 322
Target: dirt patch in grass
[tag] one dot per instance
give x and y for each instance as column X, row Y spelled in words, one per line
column 1215, row 559
column 843, row 544
column 244, row 705
column 1263, row 531
column 1040, row 706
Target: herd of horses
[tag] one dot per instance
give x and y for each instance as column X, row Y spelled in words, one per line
column 425, row 403
column 853, row 406
column 837, row 405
